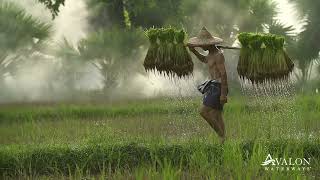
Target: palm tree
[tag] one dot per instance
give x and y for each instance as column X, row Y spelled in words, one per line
column 112, row 53
column 308, row 47
column 72, row 61
column 20, row 34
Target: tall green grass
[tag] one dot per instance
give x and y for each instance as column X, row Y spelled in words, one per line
column 234, row 159
column 157, row 139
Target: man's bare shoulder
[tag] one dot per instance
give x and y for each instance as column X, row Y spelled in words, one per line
column 220, row 57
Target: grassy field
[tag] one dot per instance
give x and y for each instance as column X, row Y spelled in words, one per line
column 157, row 139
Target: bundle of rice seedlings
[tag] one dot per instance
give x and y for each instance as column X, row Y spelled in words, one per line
column 162, row 54
column 268, row 55
column 254, row 65
column 244, row 54
column 150, row 59
column 171, row 52
column 183, row 65
column 262, row 58
column 281, row 60
column 167, row 53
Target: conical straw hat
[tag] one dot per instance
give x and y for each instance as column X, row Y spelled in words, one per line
column 204, row 38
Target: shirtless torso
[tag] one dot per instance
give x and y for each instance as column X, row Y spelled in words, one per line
column 215, row 61
column 212, row 65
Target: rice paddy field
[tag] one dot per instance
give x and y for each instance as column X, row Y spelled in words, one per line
column 162, row 138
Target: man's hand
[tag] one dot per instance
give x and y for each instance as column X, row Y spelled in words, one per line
column 223, row 99
column 199, row 56
column 191, row 48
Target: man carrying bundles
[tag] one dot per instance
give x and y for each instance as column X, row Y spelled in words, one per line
column 215, row 90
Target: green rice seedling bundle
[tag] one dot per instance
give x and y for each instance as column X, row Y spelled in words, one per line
column 255, row 63
column 183, row 65
column 244, row 55
column 268, row 56
column 280, row 59
column 263, row 58
column 167, row 53
column 287, row 64
column 150, row 59
column 162, row 54
column 171, row 50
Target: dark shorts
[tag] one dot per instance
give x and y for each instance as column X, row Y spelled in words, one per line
column 211, row 97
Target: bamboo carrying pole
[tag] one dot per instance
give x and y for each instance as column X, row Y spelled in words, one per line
column 228, row 47
column 221, row 47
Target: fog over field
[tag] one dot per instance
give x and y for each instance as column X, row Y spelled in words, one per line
column 31, row 82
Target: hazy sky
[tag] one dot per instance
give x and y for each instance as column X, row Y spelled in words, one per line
column 288, row 15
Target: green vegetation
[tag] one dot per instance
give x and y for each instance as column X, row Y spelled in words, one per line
column 167, row 53
column 158, row 136
column 192, row 159
column 53, row 6
column 149, row 61
column 262, row 58
column 20, row 35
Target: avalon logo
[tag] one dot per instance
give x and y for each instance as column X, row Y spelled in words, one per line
column 268, row 161
column 286, row 164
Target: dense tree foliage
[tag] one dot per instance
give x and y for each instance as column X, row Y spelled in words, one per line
column 53, row 5
column 106, row 13
column 148, row 13
column 140, row 13
column 20, row 34
column 307, row 48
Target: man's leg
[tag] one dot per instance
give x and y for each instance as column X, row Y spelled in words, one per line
column 220, row 124
column 206, row 113
column 215, row 115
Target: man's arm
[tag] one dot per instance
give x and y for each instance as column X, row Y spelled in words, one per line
column 201, row 57
column 224, row 79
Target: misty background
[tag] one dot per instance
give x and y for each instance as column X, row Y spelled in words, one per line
column 94, row 49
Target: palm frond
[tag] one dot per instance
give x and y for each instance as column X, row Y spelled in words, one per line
column 287, row 31
column 279, row 28
column 18, row 29
column 67, row 51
